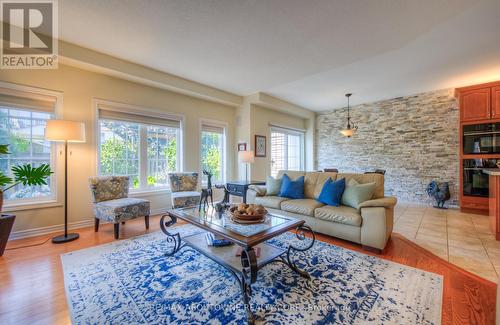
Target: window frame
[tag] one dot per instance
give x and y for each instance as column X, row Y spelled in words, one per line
column 287, row 131
column 146, row 111
column 54, row 200
column 224, row 126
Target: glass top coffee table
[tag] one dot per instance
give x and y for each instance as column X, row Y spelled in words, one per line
column 249, row 238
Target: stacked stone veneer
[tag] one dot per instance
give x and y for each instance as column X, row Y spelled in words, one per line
column 414, row 138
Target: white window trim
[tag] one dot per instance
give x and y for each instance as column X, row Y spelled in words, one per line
column 147, row 111
column 223, row 125
column 55, row 159
column 292, row 131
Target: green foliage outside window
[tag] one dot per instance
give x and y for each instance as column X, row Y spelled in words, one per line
column 113, row 154
column 171, row 155
column 151, row 180
column 211, row 154
column 18, row 144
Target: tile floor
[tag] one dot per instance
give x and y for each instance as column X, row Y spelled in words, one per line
column 460, row 238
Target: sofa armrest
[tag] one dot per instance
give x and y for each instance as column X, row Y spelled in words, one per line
column 260, row 190
column 376, row 227
column 255, row 191
column 385, row 202
column 378, row 221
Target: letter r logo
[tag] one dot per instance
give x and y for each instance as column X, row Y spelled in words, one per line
column 28, row 27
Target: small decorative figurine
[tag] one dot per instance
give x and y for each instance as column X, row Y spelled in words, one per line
column 207, row 192
column 440, row 193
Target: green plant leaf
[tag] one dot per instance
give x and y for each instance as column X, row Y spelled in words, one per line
column 28, row 175
column 4, row 180
column 4, row 149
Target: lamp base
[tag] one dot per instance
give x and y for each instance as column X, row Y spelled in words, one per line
column 65, row 238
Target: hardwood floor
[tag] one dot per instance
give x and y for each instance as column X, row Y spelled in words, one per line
column 32, row 290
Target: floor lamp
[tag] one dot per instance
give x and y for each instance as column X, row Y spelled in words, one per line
column 65, row 131
column 246, row 157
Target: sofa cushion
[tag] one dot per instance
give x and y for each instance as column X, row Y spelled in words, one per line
column 302, row 206
column 355, row 193
column 292, row 189
column 378, row 179
column 342, row 214
column 273, row 185
column 310, row 179
column 293, row 174
column 273, row 202
column 321, row 180
column 332, row 192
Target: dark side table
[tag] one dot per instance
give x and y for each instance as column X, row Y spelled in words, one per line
column 240, row 188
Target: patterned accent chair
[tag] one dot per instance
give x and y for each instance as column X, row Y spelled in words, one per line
column 112, row 204
column 183, row 187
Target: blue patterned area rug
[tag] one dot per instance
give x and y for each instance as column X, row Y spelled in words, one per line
column 132, row 282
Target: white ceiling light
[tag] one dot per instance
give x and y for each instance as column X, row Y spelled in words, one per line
column 351, row 127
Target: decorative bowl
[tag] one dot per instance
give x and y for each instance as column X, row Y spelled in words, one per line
column 248, row 213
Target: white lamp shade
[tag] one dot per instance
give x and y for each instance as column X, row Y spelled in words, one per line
column 348, row 132
column 60, row 130
column 246, row 157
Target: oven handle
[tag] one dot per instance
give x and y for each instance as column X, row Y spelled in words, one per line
column 481, row 133
column 477, row 168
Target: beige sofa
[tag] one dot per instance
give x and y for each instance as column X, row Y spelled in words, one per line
column 370, row 224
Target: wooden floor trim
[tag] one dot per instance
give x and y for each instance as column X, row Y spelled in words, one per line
column 443, row 261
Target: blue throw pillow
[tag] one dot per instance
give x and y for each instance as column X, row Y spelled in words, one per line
column 292, row 189
column 332, row 191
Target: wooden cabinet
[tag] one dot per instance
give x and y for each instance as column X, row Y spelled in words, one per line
column 479, row 104
column 495, row 102
column 494, row 206
column 475, row 105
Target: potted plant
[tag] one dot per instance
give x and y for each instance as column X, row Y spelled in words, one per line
column 23, row 174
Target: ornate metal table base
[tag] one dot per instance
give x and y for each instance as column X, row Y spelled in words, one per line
column 250, row 266
column 175, row 238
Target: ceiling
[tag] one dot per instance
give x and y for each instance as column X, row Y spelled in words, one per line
column 307, row 52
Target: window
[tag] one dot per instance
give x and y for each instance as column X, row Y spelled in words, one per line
column 23, row 117
column 119, row 149
column 162, row 154
column 145, row 148
column 287, row 150
column 212, row 151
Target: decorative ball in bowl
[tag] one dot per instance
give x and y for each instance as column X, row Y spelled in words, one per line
column 248, row 211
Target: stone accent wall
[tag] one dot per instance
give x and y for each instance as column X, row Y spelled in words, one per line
column 414, row 138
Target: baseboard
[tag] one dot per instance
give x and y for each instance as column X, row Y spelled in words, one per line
column 159, row 211
column 49, row 229
column 426, row 204
column 56, row 228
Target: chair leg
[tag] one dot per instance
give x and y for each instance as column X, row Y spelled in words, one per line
column 117, row 230
column 146, row 221
column 96, row 224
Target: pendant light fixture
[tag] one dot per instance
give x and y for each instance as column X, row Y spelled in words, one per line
column 351, row 128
